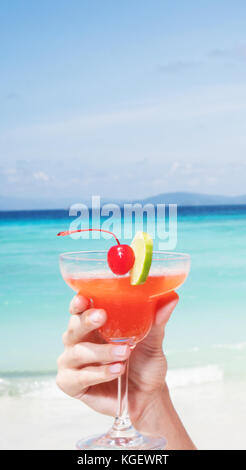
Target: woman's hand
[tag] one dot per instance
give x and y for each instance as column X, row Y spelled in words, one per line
column 88, row 366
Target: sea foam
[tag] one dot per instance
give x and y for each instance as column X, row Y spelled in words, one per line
column 194, row 376
column 45, row 386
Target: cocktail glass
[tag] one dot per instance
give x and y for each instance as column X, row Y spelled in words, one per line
column 130, row 312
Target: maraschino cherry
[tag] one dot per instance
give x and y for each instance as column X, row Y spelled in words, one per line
column 120, row 257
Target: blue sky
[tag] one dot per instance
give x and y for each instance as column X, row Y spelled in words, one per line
column 122, row 99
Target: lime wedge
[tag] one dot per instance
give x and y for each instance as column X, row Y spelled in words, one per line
column 142, row 245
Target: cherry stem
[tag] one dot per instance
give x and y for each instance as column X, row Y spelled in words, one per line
column 69, row 232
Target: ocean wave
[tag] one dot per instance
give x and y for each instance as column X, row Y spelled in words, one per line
column 194, row 376
column 45, row 386
column 30, row 386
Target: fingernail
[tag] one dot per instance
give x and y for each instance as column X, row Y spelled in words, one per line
column 96, row 317
column 115, row 368
column 79, row 299
column 120, row 351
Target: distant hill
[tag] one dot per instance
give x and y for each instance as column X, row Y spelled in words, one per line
column 180, row 198
column 15, row 204
column 194, row 199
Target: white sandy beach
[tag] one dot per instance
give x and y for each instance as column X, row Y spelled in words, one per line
column 214, row 414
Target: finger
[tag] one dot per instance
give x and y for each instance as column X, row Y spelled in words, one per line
column 78, row 304
column 76, row 382
column 85, row 353
column 165, row 308
column 80, row 325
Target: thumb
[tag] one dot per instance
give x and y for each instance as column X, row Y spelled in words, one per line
column 79, row 304
column 165, row 308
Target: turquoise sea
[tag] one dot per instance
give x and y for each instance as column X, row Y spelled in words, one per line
column 207, row 331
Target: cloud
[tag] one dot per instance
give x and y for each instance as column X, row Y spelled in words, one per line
column 211, row 180
column 174, row 167
column 177, row 66
column 193, row 182
column 84, row 123
column 235, row 53
column 9, row 171
column 11, row 175
column 41, row 176
column 174, row 140
column 142, row 161
column 200, row 102
column 11, row 96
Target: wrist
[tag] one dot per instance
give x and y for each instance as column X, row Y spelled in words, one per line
column 150, row 410
column 158, row 416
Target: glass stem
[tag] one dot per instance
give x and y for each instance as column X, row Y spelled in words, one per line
column 122, row 421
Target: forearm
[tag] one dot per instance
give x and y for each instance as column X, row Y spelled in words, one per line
column 172, row 427
column 161, row 418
